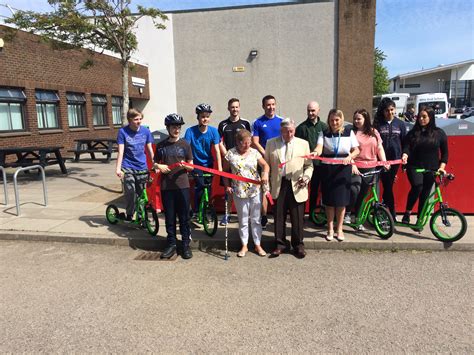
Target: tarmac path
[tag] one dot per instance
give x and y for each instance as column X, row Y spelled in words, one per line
column 61, row 297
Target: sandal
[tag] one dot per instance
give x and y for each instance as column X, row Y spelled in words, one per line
column 241, row 253
column 260, row 252
column 330, row 236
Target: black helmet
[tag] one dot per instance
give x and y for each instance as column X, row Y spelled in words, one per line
column 203, row 108
column 174, row 119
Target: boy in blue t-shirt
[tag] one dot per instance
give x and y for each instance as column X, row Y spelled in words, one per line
column 202, row 139
column 264, row 128
column 131, row 160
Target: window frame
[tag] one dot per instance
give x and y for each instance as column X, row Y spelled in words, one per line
column 77, row 101
column 7, row 97
column 99, row 102
column 117, row 102
column 44, row 100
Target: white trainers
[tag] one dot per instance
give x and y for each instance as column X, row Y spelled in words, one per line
column 347, row 218
column 360, row 228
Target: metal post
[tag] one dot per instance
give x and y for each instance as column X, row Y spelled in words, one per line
column 15, row 185
column 5, row 189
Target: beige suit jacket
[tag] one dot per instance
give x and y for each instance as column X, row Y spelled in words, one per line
column 297, row 167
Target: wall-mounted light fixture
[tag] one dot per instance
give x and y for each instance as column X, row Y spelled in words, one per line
column 140, row 90
column 253, row 53
column 2, row 43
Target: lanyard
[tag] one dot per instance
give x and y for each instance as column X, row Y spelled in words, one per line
column 335, row 146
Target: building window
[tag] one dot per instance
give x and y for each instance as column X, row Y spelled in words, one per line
column 76, row 109
column 12, row 103
column 47, row 109
column 99, row 110
column 117, row 109
column 410, row 86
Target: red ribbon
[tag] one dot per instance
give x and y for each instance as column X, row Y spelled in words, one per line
column 359, row 164
column 224, row 174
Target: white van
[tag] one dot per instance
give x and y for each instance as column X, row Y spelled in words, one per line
column 400, row 100
column 437, row 101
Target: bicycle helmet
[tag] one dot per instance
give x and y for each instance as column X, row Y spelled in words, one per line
column 203, row 108
column 174, row 119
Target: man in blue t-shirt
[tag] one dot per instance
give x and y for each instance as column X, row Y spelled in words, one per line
column 202, row 139
column 131, row 160
column 264, row 128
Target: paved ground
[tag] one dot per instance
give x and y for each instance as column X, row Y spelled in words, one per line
column 76, row 213
column 62, row 297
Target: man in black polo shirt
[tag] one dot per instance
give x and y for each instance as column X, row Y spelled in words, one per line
column 309, row 130
column 227, row 130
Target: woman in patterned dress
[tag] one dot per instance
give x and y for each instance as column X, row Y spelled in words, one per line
column 243, row 161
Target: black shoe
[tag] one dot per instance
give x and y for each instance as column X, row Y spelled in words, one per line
column 187, row 253
column 264, row 222
column 168, row 252
column 406, row 218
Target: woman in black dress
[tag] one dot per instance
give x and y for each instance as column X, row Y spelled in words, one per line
column 337, row 142
column 425, row 146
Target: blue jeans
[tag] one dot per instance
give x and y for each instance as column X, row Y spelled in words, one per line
column 176, row 203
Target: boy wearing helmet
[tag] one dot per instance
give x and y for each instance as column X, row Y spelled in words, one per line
column 131, row 160
column 175, row 185
column 203, row 139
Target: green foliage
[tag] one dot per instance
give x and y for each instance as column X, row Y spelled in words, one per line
column 381, row 79
column 105, row 24
column 95, row 24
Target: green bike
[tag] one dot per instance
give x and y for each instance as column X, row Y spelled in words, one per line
column 145, row 214
column 371, row 210
column 206, row 214
column 446, row 224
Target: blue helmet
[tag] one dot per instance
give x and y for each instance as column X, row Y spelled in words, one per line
column 174, row 119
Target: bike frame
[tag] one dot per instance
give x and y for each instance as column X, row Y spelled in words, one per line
column 371, row 199
column 428, row 207
column 204, row 199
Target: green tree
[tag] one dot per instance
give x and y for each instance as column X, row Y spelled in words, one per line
column 98, row 24
column 381, row 80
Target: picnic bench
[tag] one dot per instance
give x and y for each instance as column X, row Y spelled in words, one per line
column 28, row 156
column 92, row 146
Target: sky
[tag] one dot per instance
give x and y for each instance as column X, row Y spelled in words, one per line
column 414, row 34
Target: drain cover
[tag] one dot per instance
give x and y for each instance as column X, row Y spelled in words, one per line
column 153, row 256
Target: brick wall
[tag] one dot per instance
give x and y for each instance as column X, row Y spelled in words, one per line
column 29, row 64
column 355, row 69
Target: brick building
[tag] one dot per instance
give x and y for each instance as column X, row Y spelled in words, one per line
column 47, row 99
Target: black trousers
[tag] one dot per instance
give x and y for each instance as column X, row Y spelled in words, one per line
column 421, row 185
column 388, row 178
column 286, row 203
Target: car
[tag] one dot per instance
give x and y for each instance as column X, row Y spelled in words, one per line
column 468, row 112
column 459, row 110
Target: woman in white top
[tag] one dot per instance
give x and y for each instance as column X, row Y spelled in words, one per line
column 337, row 142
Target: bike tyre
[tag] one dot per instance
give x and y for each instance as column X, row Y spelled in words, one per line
column 112, row 214
column 151, row 221
column 455, row 216
column 318, row 216
column 383, row 222
column 209, row 219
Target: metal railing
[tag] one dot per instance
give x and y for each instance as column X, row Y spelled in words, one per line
column 15, row 185
column 5, row 189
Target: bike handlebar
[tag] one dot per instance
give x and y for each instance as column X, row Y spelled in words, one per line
column 448, row 176
column 373, row 172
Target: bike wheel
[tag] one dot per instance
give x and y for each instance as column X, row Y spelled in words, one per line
column 209, row 219
column 112, row 214
column 318, row 216
column 450, row 230
column 383, row 222
column 151, row 221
